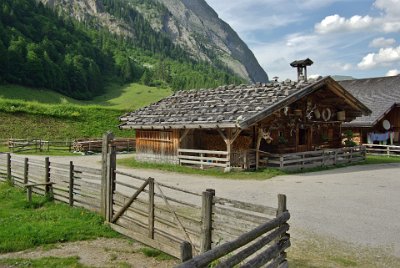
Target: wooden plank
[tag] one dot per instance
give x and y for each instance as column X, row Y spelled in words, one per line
column 222, row 250
column 202, row 158
column 224, row 213
column 59, row 166
column 202, row 151
column 202, row 163
column 93, row 171
column 250, row 250
column 245, row 206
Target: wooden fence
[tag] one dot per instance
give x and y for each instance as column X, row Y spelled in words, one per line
column 76, row 185
column 263, row 246
column 159, row 215
column 41, row 145
column 203, row 158
column 38, row 145
column 327, row 157
column 387, row 150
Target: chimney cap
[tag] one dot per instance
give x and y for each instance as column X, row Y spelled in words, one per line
column 302, row 63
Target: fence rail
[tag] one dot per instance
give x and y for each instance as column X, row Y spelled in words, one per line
column 318, row 158
column 37, row 145
column 203, row 158
column 41, row 145
column 377, row 149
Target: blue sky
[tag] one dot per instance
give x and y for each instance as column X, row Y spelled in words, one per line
column 360, row 38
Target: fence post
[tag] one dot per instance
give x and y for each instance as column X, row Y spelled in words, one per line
column 107, row 137
column 110, row 185
column 282, row 208
column 186, row 251
column 8, row 166
column 151, row 208
column 71, row 183
column 47, row 174
column 206, row 219
column 26, row 170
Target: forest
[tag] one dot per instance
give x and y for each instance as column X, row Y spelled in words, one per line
column 41, row 48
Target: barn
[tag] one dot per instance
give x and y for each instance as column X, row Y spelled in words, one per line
column 382, row 96
column 238, row 126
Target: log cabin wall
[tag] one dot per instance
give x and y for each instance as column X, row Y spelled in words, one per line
column 305, row 125
column 157, row 146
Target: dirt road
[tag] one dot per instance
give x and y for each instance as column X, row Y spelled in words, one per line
column 358, row 205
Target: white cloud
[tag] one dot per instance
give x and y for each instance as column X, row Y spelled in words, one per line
column 390, row 7
column 336, row 23
column 383, row 57
column 388, row 21
column 393, row 72
column 382, row 42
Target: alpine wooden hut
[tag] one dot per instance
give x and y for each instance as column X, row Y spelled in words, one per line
column 382, row 96
column 235, row 126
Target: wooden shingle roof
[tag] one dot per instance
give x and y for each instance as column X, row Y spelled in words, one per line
column 378, row 94
column 225, row 106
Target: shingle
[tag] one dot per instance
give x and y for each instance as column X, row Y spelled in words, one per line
column 378, row 94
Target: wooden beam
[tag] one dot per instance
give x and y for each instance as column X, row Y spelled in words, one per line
column 222, row 135
column 234, row 137
column 184, row 135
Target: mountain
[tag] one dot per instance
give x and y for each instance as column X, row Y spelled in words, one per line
column 108, row 42
column 192, row 25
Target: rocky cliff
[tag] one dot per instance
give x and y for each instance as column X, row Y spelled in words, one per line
column 192, row 24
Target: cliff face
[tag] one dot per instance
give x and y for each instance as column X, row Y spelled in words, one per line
column 192, row 24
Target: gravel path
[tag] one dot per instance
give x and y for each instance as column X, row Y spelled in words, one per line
column 358, row 204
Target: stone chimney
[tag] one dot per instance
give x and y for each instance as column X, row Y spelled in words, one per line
column 301, row 66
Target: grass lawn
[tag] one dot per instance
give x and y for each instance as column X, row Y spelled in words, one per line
column 24, row 225
column 48, row 262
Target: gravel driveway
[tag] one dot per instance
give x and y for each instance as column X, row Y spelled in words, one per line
column 358, row 205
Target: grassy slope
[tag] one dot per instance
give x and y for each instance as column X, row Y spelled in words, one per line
column 126, row 97
column 35, row 113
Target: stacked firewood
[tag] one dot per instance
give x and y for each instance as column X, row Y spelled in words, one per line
column 95, row 145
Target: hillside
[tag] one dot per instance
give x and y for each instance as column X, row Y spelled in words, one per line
column 42, row 49
column 33, row 113
column 191, row 25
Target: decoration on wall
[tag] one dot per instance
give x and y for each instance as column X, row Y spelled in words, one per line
column 286, row 110
column 386, row 124
column 310, row 111
column 266, row 135
column 317, row 114
column 326, row 114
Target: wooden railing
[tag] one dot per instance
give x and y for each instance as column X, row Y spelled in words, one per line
column 326, row 157
column 377, row 149
column 203, row 158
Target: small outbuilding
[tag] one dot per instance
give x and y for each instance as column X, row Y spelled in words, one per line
column 382, row 96
column 238, row 126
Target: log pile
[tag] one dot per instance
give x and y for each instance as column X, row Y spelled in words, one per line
column 95, row 145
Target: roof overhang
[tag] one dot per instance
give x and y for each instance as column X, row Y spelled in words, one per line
column 178, row 126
